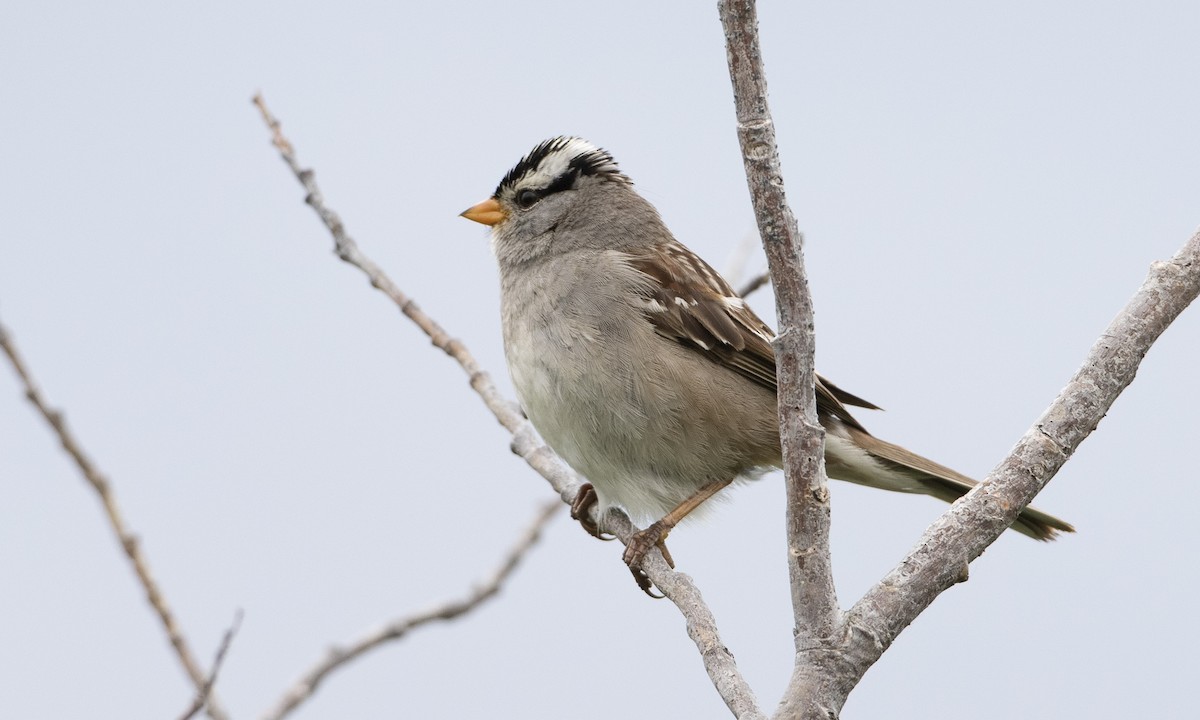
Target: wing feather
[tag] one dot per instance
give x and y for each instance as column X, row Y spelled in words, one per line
column 690, row 303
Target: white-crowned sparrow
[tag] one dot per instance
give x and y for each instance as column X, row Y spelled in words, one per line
column 641, row 367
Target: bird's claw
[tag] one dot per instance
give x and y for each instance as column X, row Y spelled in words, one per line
column 641, row 543
column 580, row 510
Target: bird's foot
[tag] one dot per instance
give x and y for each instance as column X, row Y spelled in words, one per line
column 641, row 543
column 581, row 511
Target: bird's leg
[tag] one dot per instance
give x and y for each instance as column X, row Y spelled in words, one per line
column 656, row 534
column 580, row 507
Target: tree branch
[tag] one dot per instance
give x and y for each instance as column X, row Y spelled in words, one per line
column 677, row 587
column 307, row 685
column 205, row 693
column 814, row 599
column 128, row 541
column 939, row 560
column 754, row 284
column 735, row 267
column 835, row 650
column 718, row 661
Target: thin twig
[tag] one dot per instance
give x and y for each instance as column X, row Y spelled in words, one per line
column 718, row 661
column 754, row 283
column 205, row 693
column 736, row 266
column 128, row 541
column 814, row 600
column 525, row 443
column 677, row 587
column 307, row 685
column 347, row 249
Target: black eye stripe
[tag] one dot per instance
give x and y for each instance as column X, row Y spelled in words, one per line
column 529, row 197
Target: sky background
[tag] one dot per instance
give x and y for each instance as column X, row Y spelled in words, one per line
column 981, row 186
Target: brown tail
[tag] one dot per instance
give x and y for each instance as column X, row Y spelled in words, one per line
column 945, row 484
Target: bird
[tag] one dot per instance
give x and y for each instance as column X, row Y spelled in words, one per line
column 643, row 369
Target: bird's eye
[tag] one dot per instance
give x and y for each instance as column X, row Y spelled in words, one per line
column 527, row 198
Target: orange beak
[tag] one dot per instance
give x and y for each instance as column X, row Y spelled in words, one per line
column 487, row 212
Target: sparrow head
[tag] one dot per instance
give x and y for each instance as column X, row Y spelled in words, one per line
column 564, row 185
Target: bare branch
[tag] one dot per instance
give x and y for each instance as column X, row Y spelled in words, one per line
column 205, row 693
column 677, row 587
column 505, row 411
column 128, row 541
column 814, row 600
column 754, row 283
column 834, row 650
column 719, row 663
column 735, row 267
column 307, row 685
column 526, row 444
column 939, row 560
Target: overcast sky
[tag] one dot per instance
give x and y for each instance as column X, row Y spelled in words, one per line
column 981, row 186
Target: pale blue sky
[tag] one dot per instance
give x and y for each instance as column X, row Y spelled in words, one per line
column 982, row 187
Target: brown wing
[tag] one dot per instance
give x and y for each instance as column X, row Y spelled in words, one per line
column 687, row 301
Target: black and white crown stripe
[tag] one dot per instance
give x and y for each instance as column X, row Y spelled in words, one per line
column 556, row 163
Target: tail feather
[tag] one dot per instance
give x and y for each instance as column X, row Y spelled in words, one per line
column 945, row 484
